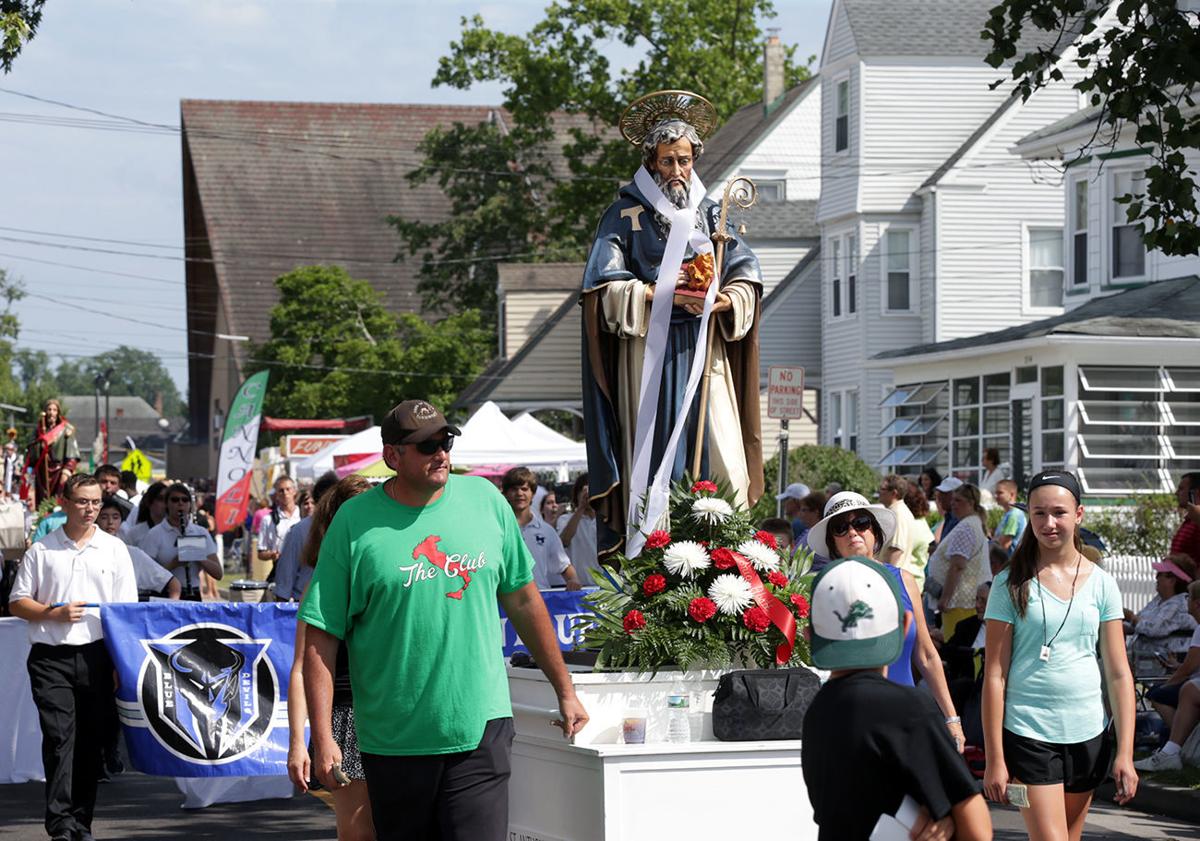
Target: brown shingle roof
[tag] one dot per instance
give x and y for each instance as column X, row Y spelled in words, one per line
column 540, row 277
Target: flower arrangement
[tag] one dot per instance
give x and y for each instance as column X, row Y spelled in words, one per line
column 709, row 592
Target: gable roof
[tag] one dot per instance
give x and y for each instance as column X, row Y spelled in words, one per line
column 1165, row 309
column 796, row 275
column 742, row 131
column 780, row 220
column 976, row 136
column 539, row 277
column 933, row 28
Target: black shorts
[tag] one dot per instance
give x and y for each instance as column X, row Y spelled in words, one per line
column 1166, row 695
column 1079, row 767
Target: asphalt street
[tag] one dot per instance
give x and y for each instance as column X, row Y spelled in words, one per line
column 141, row 808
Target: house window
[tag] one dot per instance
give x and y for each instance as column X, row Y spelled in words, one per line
column 1053, row 418
column 898, row 286
column 1079, row 236
column 773, row 190
column 980, row 418
column 836, row 266
column 835, row 417
column 1128, row 251
column 852, row 274
column 841, row 141
column 1045, row 282
column 850, row 441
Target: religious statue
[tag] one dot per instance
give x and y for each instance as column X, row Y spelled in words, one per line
column 644, row 351
column 53, row 454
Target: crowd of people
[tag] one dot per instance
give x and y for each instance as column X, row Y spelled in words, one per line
column 1013, row 634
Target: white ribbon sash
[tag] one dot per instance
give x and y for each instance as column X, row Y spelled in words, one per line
column 682, row 233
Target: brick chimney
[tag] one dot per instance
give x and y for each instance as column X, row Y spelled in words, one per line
column 158, row 403
column 772, row 69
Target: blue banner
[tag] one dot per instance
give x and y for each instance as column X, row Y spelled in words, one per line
column 203, row 687
column 565, row 607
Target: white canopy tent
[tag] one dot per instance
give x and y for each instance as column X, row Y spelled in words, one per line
column 490, row 437
column 360, row 444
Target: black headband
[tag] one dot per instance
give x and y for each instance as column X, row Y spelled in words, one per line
column 1061, row 478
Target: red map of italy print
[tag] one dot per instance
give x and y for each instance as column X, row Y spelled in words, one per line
column 429, row 549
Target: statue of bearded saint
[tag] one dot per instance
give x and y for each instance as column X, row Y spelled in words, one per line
column 53, row 454
column 620, row 283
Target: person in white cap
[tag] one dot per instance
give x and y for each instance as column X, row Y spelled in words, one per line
column 868, row 744
column 853, row 527
column 943, row 494
column 791, row 497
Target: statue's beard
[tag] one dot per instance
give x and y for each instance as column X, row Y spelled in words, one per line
column 676, row 191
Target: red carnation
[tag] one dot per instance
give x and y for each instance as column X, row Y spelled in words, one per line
column 702, row 609
column 704, row 486
column 756, row 619
column 657, row 539
column 767, row 538
column 801, row 605
column 654, row 584
column 722, row 558
column 777, row 578
column 633, row 621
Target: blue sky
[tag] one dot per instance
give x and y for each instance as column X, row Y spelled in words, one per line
column 63, row 182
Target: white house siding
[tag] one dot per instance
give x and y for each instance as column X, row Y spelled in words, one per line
column 839, row 172
column 791, row 327
column 914, row 118
column 549, row 374
column 790, row 151
column 839, row 39
column 524, row 313
column 928, row 261
column 777, row 258
column 987, row 204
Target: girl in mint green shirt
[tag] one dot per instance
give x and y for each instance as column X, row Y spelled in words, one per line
column 1052, row 618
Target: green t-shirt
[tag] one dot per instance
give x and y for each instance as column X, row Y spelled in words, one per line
column 413, row 591
column 1057, row 701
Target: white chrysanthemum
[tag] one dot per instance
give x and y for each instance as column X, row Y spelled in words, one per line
column 686, row 558
column 731, row 594
column 763, row 557
column 711, row 509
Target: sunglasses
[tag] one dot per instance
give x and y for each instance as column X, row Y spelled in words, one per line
column 861, row 523
column 428, row 448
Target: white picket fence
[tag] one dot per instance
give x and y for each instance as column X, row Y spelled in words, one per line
column 1134, row 576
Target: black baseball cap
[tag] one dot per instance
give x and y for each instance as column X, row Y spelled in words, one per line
column 414, row 421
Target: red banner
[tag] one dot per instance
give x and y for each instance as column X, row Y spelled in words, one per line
column 778, row 612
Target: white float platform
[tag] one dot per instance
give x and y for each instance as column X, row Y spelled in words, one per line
column 597, row 789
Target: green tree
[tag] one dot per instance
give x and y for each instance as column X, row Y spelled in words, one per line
column 19, row 21
column 33, row 369
column 11, row 291
column 533, row 188
column 134, row 372
column 1140, row 74
column 816, row 466
column 335, row 351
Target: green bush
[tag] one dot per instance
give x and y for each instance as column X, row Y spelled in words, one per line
column 1144, row 528
column 817, row 466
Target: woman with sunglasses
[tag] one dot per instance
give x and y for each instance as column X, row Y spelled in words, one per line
column 1052, row 617
column 853, row 527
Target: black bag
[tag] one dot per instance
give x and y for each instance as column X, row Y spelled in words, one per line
column 763, row 704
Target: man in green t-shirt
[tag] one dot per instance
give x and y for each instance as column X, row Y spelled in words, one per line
column 409, row 574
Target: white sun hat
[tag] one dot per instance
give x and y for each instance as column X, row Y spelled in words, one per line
column 845, row 501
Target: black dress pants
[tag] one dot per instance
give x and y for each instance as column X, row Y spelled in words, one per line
column 444, row 797
column 73, row 690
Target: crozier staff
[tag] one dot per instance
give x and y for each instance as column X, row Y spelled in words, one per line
column 1043, row 714
column 631, row 258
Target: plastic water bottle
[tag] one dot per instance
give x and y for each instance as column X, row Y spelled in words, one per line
column 679, row 728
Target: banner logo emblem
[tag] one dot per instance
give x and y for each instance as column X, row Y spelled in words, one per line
column 209, row 692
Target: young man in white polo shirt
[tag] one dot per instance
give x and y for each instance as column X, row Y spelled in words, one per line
column 60, row 585
column 550, row 561
column 163, row 543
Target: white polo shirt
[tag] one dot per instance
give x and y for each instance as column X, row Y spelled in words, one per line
column 55, row 570
column 271, row 535
column 159, row 544
column 549, row 557
column 150, row 574
column 582, row 549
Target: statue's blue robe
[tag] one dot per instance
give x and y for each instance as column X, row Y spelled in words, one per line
column 621, row 253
